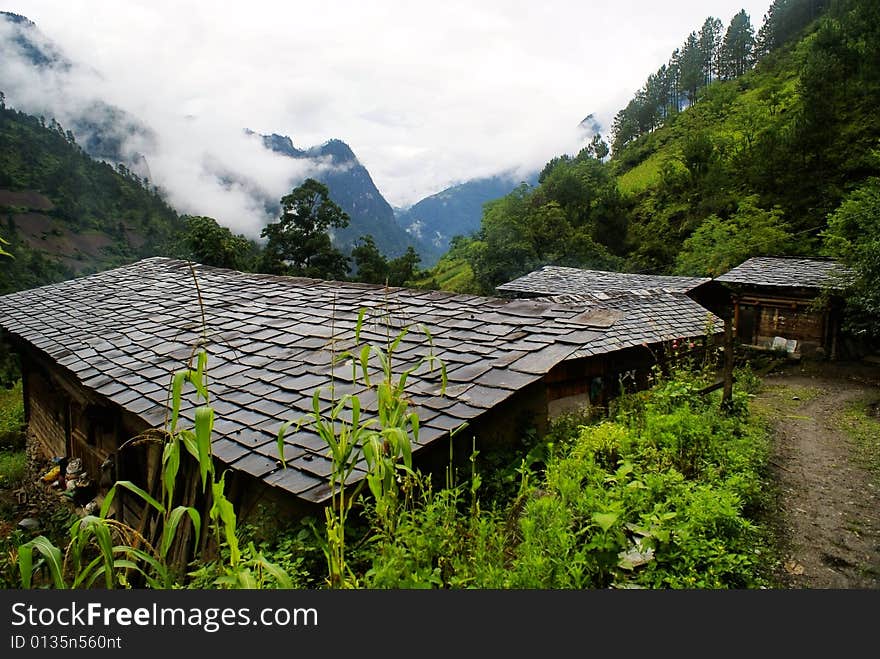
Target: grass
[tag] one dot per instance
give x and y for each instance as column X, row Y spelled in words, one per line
column 13, row 466
column 857, row 421
column 641, row 177
column 783, row 399
column 12, row 417
column 450, row 274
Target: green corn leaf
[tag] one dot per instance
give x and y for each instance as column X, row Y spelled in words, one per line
column 282, row 431
column 245, row 580
column 339, row 407
column 384, row 396
column 188, row 439
column 225, row 512
column 200, row 375
column 128, row 485
column 360, row 323
column 374, row 481
column 365, row 362
column 125, row 564
column 90, row 573
column 142, row 557
column 370, row 451
column 26, row 564
column 281, row 577
column 176, row 395
column 398, row 339
column 50, row 553
column 170, row 530
column 384, row 362
column 106, row 503
column 98, row 527
column 413, row 419
column 204, row 425
column 355, row 411
column 171, row 465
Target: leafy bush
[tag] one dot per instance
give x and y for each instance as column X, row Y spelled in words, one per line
column 664, row 494
column 12, row 417
column 13, row 465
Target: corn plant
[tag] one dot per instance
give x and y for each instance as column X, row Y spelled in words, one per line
column 3, row 252
column 388, row 451
column 384, row 441
column 344, row 439
column 135, row 554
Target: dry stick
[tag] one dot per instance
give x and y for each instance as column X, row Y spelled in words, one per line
column 727, row 394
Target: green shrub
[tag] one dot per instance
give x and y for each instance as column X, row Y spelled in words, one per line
column 12, row 417
column 13, row 466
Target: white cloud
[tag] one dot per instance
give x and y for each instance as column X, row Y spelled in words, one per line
column 425, row 93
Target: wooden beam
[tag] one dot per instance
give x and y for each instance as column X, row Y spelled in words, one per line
column 727, row 395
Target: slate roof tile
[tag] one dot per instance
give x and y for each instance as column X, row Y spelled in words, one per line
column 556, row 280
column 255, row 464
column 271, row 340
column 227, row 450
column 294, row 481
column 789, row 272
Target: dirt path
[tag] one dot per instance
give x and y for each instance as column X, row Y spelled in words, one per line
column 828, row 499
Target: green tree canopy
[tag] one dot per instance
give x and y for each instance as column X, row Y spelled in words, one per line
column 299, row 244
column 209, row 243
column 572, row 218
column 737, row 48
column 404, row 268
column 719, row 245
column 853, row 235
column 372, row 267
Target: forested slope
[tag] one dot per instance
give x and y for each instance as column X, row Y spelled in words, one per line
column 744, row 145
column 64, row 213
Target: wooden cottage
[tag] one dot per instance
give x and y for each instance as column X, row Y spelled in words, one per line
column 645, row 330
column 648, row 319
column 98, row 354
column 791, row 304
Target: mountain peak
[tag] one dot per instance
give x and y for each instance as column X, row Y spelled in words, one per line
column 282, row 144
column 339, row 152
column 27, row 39
column 17, row 18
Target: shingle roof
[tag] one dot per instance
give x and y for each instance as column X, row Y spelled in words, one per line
column 646, row 317
column 788, row 272
column 556, row 280
column 123, row 333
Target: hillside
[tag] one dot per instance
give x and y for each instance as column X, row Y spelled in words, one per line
column 792, row 137
column 455, row 211
column 742, row 164
column 65, row 214
column 38, row 78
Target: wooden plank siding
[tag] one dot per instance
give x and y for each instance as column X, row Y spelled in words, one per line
column 596, row 380
column 760, row 318
column 64, row 419
column 47, row 413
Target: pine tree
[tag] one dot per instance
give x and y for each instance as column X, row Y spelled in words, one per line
column 710, row 43
column 737, row 49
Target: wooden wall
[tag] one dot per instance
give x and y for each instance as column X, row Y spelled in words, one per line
column 65, row 419
column 759, row 317
column 595, row 380
column 47, row 412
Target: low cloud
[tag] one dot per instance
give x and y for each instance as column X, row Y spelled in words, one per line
column 426, row 94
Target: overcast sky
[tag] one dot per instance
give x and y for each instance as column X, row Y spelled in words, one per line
column 426, row 93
